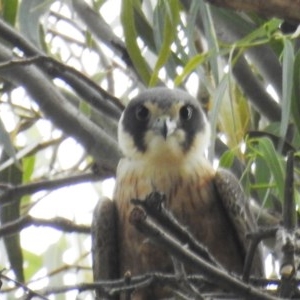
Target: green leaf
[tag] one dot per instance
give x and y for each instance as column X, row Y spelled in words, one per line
column 267, row 152
column 261, row 35
column 6, row 143
column 28, row 163
column 131, row 38
column 144, row 28
column 262, row 179
column 190, row 66
column 20, row 154
column 287, row 86
column 10, row 10
column 9, row 213
column 297, row 197
column 33, row 263
column 211, row 39
column 296, row 92
column 170, row 16
column 227, row 158
column 217, row 100
column 30, row 13
column 85, row 108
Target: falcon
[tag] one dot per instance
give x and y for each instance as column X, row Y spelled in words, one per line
column 163, row 135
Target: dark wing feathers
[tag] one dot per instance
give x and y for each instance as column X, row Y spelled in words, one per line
column 238, row 211
column 105, row 242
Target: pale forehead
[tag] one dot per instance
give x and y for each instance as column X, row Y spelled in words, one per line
column 171, row 109
column 164, row 98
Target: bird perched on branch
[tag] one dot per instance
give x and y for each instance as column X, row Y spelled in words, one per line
column 163, row 135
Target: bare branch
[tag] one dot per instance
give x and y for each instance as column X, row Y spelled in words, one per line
column 255, row 91
column 30, row 293
column 58, row 223
column 216, row 276
column 97, row 25
column 111, row 287
column 154, row 207
column 263, row 57
column 114, row 287
column 284, row 9
column 83, row 85
column 86, row 88
column 97, row 142
column 286, row 236
column 14, row 192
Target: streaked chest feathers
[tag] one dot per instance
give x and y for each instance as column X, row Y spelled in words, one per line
column 187, row 187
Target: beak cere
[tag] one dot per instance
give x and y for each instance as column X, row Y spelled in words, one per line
column 165, row 126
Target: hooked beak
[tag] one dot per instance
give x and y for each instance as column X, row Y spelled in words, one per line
column 165, row 126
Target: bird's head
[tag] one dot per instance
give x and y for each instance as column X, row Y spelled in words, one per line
column 163, row 125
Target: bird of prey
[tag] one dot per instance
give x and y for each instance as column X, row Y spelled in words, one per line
column 163, row 135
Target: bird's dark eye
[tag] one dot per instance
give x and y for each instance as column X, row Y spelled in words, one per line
column 186, row 112
column 142, row 113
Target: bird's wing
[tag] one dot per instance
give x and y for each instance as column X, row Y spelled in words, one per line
column 105, row 241
column 238, row 211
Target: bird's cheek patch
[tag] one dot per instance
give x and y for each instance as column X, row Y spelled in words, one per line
column 200, row 142
column 126, row 144
column 180, row 136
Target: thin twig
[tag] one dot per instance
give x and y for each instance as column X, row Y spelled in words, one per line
column 284, row 9
column 217, row 276
column 85, row 87
column 255, row 239
column 154, row 207
column 109, row 287
column 12, row 192
column 285, row 236
column 26, row 289
column 58, row 223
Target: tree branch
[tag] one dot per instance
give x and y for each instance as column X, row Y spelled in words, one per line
column 229, row 32
column 255, row 91
column 231, row 27
column 214, row 275
column 58, row 223
column 86, row 88
column 286, row 236
column 30, row 293
column 113, row 287
column 97, row 25
column 80, row 83
column 97, row 142
column 15, row 191
column 154, row 207
column 284, row 9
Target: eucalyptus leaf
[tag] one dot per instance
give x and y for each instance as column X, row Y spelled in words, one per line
column 131, row 38
column 171, row 19
column 218, row 97
column 226, row 160
column 29, row 18
column 6, row 143
column 10, row 213
column 287, row 85
column 10, row 10
column 296, row 92
column 266, row 150
column 210, row 34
